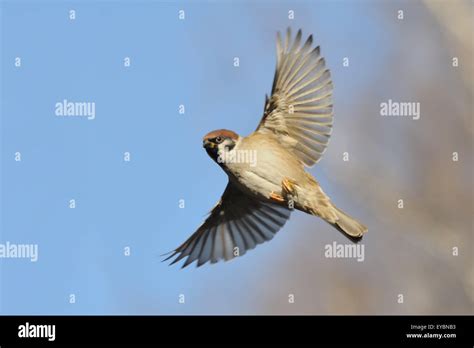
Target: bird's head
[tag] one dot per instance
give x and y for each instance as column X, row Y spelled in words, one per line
column 217, row 143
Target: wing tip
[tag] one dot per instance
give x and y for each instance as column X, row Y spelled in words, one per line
column 186, row 263
column 299, row 34
column 173, row 253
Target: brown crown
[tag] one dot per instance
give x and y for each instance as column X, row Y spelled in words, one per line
column 225, row 133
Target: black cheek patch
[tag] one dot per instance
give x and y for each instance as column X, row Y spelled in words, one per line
column 212, row 153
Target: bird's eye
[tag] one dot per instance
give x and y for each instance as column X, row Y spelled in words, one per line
column 219, row 140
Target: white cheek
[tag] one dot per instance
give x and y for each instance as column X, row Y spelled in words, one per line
column 222, row 148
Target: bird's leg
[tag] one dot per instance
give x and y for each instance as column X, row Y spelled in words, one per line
column 288, row 186
column 289, row 190
column 276, row 197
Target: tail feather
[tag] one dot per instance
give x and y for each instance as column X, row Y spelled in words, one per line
column 314, row 201
column 349, row 226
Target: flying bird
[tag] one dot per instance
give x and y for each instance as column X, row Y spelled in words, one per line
column 261, row 194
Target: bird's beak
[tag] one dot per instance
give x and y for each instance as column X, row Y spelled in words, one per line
column 208, row 144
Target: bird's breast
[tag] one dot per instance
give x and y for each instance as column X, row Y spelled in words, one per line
column 260, row 164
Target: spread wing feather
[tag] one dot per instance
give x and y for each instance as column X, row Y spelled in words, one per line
column 299, row 111
column 236, row 224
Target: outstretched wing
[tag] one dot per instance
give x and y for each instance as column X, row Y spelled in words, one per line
column 236, row 224
column 299, row 111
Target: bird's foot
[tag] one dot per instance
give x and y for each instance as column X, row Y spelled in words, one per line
column 288, row 191
column 276, row 197
column 288, row 186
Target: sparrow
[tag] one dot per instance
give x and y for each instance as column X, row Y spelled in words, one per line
column 261, row 194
